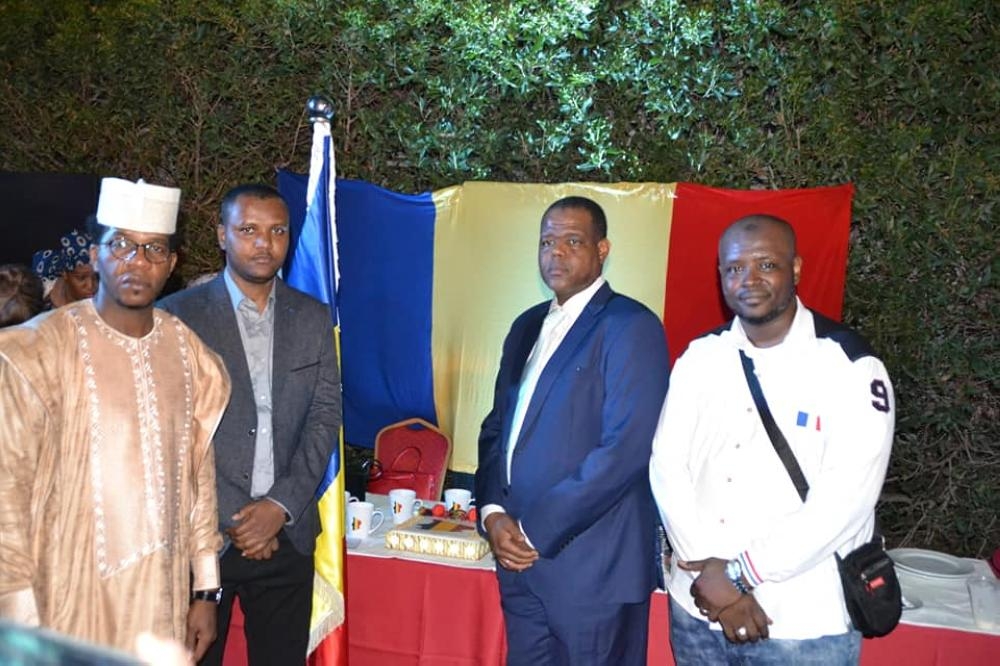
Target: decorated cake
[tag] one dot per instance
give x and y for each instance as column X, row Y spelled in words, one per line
column 438, row 535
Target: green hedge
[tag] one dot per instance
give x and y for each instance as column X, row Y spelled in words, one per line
column 900, row 98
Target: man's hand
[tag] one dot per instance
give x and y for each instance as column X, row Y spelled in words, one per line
column 258, row 523
column 509, row 546
column 712, row 590
column 200, row 627
column 744, row 621
column 263, row 553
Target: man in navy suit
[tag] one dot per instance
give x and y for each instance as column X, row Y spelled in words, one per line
column 563, row 457
column 282, row 422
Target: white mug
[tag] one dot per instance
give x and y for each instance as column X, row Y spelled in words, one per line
column 363, row 519
column 348, row 498
column 457, row 499
column 403, row 503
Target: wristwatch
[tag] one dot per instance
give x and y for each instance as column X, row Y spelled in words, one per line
column 215, row 596
column 734, row 572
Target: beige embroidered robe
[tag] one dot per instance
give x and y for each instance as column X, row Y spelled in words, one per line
column 107, row 474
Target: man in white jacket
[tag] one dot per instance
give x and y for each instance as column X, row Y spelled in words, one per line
column 752, row 560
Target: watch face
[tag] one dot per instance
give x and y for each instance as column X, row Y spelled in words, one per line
column 214, row 596
column 733, row 570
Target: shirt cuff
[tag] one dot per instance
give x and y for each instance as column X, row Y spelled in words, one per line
column 205, row 572
column 749, row 571
column 490, row 509
column 487, row 511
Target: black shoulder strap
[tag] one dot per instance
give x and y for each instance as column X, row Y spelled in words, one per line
column 773, row 431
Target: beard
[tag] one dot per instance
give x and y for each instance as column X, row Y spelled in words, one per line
column 770, row 316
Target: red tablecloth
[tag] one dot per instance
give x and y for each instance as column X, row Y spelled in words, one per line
column 405, row 613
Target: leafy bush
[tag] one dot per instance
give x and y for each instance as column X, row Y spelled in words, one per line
column 898, row 97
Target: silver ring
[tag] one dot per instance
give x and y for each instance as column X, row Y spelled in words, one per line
column 742, row 632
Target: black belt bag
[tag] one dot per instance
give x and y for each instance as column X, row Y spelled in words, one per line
column 867, row 574
column 871, row 589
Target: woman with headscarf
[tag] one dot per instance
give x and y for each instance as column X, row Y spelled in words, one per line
column 66, row 272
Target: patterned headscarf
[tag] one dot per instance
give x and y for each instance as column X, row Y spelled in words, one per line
column 75, row 250
column 51, row 264
column 47, row 264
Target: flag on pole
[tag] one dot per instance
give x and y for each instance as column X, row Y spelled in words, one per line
column 415, row 268
column 314, row 269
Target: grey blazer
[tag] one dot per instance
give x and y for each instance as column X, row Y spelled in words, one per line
column 306, row 401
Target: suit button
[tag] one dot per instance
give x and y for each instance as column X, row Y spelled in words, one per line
column 245, row 476
column 252, row 432
column 506, row 492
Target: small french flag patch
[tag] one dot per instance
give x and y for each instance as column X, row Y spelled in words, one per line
column 806, row 420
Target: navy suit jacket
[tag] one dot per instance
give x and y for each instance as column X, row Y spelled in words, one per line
column 579, row 476
column 306, row 401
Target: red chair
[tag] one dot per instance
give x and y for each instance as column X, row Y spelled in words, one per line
column 411, row 454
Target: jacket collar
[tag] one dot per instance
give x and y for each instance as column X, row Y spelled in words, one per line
column 577, row 335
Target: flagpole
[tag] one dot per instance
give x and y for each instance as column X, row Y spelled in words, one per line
column 327, row 635
column 320, row 110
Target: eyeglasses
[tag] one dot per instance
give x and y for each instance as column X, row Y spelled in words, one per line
column 124, row 249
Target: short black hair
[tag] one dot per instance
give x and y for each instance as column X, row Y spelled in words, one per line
column 754, row 222
column 96, row 231
column 597, row 217
column 255, row 190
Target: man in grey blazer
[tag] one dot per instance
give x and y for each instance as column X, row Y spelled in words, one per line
column 272, row 447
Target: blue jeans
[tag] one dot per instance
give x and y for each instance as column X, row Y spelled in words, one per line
column 694, row 644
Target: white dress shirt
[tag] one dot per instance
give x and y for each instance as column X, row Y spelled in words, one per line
column 561, row 319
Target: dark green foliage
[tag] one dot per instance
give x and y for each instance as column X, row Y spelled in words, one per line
column 899, row 97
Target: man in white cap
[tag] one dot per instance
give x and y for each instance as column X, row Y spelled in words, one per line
column 108, row 524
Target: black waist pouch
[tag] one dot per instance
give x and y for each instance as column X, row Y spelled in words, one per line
column 871, row 589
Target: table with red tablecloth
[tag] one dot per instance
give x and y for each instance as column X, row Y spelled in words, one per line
column 407, row 613
column 413, row 613
column 404, row 612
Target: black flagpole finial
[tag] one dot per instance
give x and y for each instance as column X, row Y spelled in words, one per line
column 319, row 107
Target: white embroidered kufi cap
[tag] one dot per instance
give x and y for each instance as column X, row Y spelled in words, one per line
column 138, row 206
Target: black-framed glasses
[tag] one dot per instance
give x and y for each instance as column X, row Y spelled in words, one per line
column 124, row 249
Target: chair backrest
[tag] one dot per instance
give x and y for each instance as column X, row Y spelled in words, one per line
column 413, row 454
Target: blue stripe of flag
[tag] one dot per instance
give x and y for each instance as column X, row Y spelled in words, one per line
column 386, row 248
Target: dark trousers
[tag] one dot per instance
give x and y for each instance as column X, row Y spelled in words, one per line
column 276, row 598
column 571, row 632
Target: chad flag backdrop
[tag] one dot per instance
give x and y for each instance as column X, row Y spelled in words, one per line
column 430, row 283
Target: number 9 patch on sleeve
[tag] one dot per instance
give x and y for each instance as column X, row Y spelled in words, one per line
column 880, row 395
